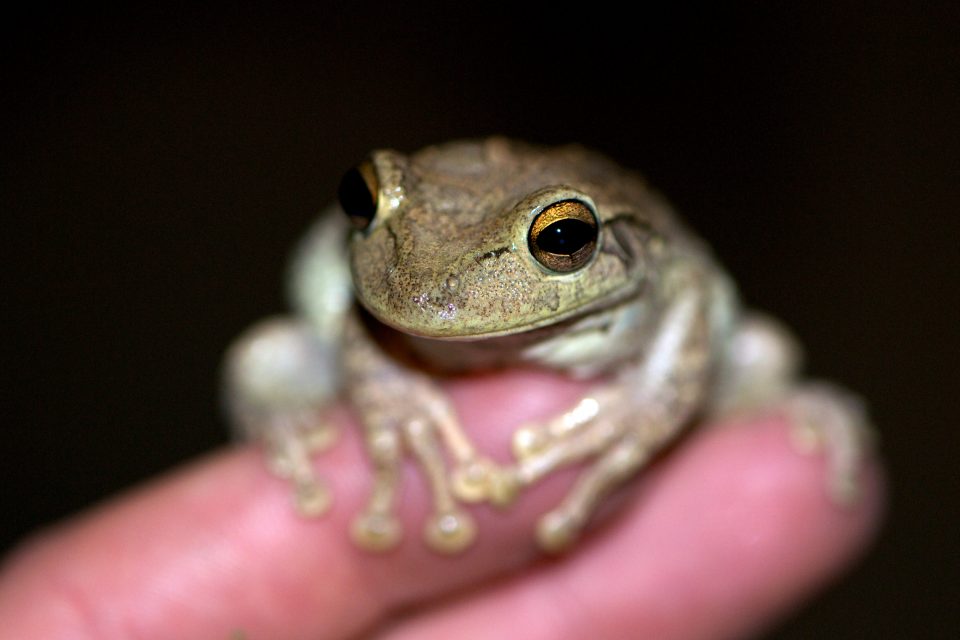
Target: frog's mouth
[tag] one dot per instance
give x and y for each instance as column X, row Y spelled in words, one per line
column 451, row 318
column 442, row 319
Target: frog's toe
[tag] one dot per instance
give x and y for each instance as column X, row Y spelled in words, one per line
column 504, row 487
column 826, row 418
column 528, row 441
column 470, row 481
column 376, row 531
column 320, row 436
column 557, row 531
column 288, row 457
column 450, row 531
column 312, row 497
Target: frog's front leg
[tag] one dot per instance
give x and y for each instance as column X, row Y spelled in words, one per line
column 402, row 409
column 622, row 424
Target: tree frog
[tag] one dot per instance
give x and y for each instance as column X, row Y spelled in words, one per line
column 495, row 253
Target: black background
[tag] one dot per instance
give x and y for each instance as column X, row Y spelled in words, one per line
column 157, row 164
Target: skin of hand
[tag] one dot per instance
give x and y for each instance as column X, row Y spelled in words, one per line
column 724, row 534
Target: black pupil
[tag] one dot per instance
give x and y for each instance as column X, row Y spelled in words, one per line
column 566, row 237
column 355, row 196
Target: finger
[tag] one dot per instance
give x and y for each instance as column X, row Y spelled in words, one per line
column 217, row 548
column 730, row 531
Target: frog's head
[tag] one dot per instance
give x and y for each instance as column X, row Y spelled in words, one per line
column 476, row 239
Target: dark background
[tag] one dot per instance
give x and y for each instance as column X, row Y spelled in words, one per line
column 158, row 164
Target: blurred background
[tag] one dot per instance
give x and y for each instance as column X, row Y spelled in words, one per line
column 157, row 165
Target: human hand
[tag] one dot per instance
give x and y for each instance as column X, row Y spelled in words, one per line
column 721, row 536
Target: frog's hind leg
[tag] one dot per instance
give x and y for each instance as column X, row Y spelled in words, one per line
column 278, row 377
column 759, row 366
column 760, row 373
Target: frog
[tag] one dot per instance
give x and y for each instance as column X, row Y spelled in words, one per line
column 484, row 254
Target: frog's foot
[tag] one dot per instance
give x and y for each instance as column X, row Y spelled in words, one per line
column 614, row 438
column 560, row 528
column 826, row 418
column 582, row 433
column 476, row 479
column 539, row 449
column 449, row 528
column 617, row 452
column 291, row 439
column 403, row 411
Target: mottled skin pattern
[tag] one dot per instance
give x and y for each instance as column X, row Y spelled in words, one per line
column 446, row 281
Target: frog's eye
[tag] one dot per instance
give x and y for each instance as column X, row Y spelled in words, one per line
column 563, row 236
column 358, row 194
